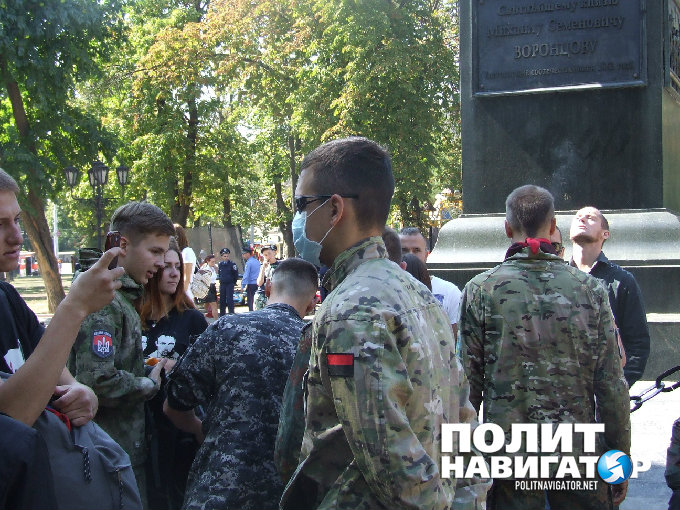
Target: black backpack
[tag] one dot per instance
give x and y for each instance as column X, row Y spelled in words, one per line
column 89, row 469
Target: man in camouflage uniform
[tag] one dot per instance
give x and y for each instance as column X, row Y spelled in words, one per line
column 539, row 347
column 382, row 376
column 237, row 370
column 266, row 271
column 107, row 354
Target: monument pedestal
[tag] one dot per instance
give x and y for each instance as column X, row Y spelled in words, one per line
column 583, row 99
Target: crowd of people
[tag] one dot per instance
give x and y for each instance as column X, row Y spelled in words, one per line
column 265, row 410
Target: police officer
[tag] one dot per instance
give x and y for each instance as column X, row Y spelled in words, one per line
column 227, row 272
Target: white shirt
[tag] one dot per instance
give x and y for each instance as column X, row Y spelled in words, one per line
column 189, row 257
column 448, row 295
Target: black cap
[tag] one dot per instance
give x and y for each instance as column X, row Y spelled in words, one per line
column 268, row 247
column 224, row 250
column 247, row 250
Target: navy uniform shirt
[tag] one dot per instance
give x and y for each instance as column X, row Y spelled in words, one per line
column 237, row 370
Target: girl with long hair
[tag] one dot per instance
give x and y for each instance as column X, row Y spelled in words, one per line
column 170, row 324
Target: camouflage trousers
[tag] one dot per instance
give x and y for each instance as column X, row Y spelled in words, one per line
column 260, row 300
column 504, row 496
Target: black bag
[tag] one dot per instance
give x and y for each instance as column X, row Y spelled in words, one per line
column 89, row 469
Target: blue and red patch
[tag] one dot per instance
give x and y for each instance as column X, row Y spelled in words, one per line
column 102, row 344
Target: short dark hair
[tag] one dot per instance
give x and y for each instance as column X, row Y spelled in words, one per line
column 528, row 208
column 417, row 269
column 411, row 231
column 295, row 277
column 354, row 165
column 603, row 220
column 393, row 244
column 136, row 219
column 7, row 182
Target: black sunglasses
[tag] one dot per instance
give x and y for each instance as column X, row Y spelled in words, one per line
column 302, row 202
column 558, row 246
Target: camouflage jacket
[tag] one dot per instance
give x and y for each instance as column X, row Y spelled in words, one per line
column 292, row 420
column 107, row 356
column 539, row 347
column 382, row 379
column 237, row 370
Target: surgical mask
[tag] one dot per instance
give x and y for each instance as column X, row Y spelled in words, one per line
column 307, row 249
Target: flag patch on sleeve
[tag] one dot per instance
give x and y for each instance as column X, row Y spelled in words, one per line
column 340, row 364
column 102, row 344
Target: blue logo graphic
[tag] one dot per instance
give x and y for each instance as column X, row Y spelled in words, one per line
column 614, row 467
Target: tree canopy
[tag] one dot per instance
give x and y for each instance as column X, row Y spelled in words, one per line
column 213, row 103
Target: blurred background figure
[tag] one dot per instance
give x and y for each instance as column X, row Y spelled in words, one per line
column 249, row 280
column 211, row 299
column 189, row 257
column 417, row 269
column 227, row 272
column 264, row 278
column 556, row 241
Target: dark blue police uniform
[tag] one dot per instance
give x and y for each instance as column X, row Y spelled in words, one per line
column 227, row 273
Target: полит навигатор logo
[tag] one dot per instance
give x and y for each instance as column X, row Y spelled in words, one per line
column 614, row 467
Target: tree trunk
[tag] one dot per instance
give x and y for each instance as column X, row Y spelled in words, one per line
column 286, row 228
column 38, row 231
column 181, row 208
column 34, row 219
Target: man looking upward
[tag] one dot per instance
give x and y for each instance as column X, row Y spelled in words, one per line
column 589, row 231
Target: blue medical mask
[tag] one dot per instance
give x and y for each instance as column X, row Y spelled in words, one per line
column 307, row 249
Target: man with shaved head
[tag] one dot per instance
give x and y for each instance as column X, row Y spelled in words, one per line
column 589, row 231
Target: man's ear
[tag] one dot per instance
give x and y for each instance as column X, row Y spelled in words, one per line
column 402, row 265
column 311, row 305
column 124, row 245
column 605, row 235
column 508, row 229
column 553, row 225
column 337, row 209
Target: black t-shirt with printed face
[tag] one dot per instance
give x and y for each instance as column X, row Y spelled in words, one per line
column 20, row 330
column 173, row 334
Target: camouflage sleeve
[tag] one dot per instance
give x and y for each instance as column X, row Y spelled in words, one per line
column 370, row 402
column 611, row 390
column 93, row 361
column 470, row 492
column 292, row 420
column 192, row 381
column 472, row 343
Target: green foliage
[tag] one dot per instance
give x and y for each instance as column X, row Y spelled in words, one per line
column 213, row 103
column 47, row 47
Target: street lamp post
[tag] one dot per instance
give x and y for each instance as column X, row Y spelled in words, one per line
column 97, row 176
